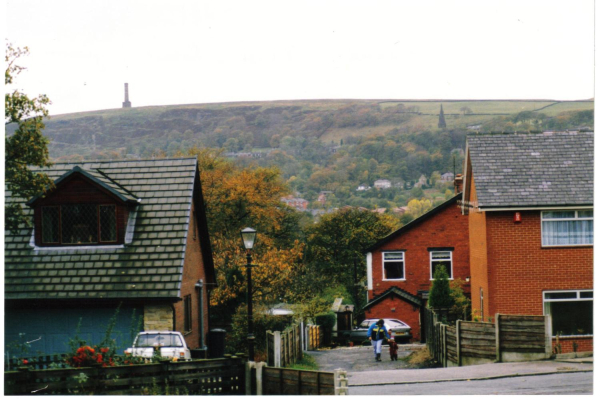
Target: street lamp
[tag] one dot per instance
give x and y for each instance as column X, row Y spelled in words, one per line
column 248, row 238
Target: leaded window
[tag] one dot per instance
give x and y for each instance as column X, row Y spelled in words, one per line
column 79, row 224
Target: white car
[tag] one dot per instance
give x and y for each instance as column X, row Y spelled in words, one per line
column 167, row 344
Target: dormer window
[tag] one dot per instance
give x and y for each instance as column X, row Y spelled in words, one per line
column 79, row 224
column 86, row 208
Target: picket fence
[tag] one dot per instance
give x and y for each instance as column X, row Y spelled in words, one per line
column 511, row 338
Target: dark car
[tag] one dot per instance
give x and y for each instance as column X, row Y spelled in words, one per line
column 400, row 330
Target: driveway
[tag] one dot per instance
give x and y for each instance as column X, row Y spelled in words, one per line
column 362, row 359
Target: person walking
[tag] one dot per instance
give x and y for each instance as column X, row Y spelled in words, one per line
column 376, row 333
column 393, row 347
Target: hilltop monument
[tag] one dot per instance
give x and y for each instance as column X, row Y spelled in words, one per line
column 126, row 103
column 442, row 120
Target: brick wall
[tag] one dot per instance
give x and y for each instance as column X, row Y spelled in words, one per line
column 478, row 257
column 193, row 270
column 448, row 228
column 584, row 344
column 521, row 268
column 404, row 311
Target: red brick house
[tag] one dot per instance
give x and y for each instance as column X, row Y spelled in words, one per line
column 529, row 201
column 110, row 233
column 400, row 266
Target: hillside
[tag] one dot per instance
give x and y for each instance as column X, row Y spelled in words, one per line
column 320, row 145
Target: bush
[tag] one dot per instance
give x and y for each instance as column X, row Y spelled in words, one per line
column 439, row 295
column 326, row 321
column 236, row 339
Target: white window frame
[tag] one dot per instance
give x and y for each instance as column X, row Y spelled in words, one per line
column 576, row 299
column 403, row 266
column 441, row 260
column 576, row 218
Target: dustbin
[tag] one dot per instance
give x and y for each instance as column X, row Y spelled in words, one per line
column 216, row 343
column 198, row 353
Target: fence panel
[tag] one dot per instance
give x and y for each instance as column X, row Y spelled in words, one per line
column 478, row 340
column 522, row 334
column 451, row 354
column 278, row 381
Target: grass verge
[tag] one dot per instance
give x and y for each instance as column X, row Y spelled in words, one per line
column 306, row 363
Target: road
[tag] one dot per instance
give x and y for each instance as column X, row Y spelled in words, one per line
column 559, row 384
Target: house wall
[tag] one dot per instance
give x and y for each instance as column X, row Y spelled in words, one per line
column 398, row 309
column 158, row 317
column 478, row 258
column 193, row 270
column 448, row 228
column 521, row 268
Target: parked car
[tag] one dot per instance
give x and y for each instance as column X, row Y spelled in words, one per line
column 167, row 344
column 400, row 330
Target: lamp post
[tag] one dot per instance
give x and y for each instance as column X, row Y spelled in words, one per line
column 248, row 238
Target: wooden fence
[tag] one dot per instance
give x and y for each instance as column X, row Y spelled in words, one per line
column 512, row 338
column 223, row 376
column 314, row 336
column 284, row 348
column 279, row 381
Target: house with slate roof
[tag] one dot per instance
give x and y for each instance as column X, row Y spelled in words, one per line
column 111, row 234
column 529, row 202
column 400, row 266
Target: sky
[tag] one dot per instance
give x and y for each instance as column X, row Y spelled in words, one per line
column 187, row 52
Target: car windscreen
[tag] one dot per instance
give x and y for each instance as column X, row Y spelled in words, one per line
column 158, row 339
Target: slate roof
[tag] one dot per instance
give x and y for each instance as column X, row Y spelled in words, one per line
column 151, row 266
column 450, row 202
column 519, row 170
column 402, row 294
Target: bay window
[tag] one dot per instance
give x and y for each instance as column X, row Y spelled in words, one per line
column 572, row 312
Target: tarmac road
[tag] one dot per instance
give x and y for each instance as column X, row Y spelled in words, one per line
column 361, row 358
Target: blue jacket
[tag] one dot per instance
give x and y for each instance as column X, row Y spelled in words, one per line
column 375, row 332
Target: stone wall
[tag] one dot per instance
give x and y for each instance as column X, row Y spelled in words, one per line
column 158, row 317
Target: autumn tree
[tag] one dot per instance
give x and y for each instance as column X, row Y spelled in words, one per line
column 236, row 198
column 26, row 146
column 336, row 242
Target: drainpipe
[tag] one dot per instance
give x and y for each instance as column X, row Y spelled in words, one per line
column 200, row 286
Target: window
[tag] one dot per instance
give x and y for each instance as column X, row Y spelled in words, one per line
column 393, row 265
column 570, row 227
column 571, row 311
column 187, row 313
column 80, row 224
column 443, row 258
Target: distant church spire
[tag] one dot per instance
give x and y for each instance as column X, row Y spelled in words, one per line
column 126, row 103
column 442, row 121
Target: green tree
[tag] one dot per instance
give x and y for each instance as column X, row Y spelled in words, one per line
column 336, row 241
column 26, row 146
column 439, row 294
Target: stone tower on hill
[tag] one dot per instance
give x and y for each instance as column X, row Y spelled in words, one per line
column 126, row 103
column 442, row 120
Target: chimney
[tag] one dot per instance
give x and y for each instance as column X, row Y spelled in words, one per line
column 458, row 184
column 126, row 103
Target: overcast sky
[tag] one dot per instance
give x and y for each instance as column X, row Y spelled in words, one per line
column 183, row 52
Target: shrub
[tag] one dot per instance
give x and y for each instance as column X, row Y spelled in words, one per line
column 236, row 339
column 439, row 295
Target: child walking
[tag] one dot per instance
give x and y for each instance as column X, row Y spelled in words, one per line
column 393, row 347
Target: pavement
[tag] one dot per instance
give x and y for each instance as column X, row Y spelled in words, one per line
column 468, row 373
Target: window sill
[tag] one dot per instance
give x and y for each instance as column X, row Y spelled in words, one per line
column 393, row 279
column 568, row 246
column 78, row 247
column 575, row 336
column 187, row 333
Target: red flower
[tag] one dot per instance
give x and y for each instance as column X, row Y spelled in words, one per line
column 104, row 350
column 25, row 361
column 99, row 358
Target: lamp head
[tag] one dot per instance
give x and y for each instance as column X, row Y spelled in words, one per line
column 248, row 237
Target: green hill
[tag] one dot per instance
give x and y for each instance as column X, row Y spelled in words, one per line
column 319, row 145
